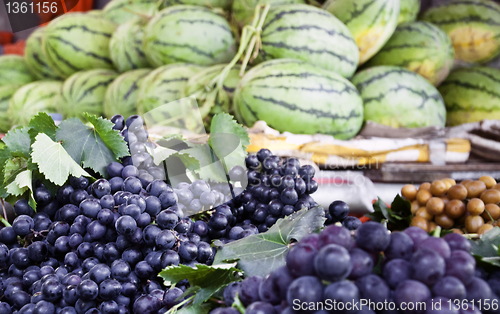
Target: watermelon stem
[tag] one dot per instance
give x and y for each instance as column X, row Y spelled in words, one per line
column 252, row 50
column 249, row 48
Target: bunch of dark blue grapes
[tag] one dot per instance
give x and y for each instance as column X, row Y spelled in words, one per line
column 274, row 187
column 408, row 268
column 98, row 247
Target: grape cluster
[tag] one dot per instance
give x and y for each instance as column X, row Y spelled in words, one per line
column 98, row 247
column 338, row 211
column 333, row 265
column 137, row 137
column 275, row 188
column 470, row 206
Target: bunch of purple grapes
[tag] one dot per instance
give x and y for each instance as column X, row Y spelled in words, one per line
column 413, row 269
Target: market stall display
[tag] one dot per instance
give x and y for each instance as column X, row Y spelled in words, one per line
column 207, row 188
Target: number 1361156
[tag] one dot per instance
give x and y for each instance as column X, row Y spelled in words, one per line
column 32, row 7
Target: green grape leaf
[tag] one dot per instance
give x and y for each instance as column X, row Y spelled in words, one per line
column 195, row 309
column 42, row 123
column 224, row 123
column 13, row 167
column 20, row 184
column 4, row 157
column 54, row 161
column 18, row 142
column 486, row 249
column 228, row 140
column 205, row 280
column 260, row 254
column 93, row 146
column 398, row 215
column 112, row 138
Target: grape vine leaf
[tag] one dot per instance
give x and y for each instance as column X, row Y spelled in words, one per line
column 21, row 183
column 4, row 157
column 54, row 161
column 195, row 309
column 228, row 140
column 13, row 167
column 42, row 123
column 93, row 146
column 260, row 254
column 206, row 280
column 18, row 142
column 487, row 248
column 398, row 215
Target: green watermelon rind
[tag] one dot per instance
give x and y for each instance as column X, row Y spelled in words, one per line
column 420, row 47
column 6, row 93
column 399, row 98
column 163, row 85
column 125, row 47
column 35, row 58
column 188, row 34
column 76, row 42
column 122, row 11
column 408, row 11
column 243, row 10
column 121, row 94
column 310, row 34
column 371, row 22
column 479, row 16
column 32, row 98
column 294, row 96
column 84, row 92
column 14, row 70
column 472, row 94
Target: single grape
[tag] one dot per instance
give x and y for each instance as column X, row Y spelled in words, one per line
column 373, row 287
column 332, row 263
column 305, row 289
column 411, row 292
column 395, row 271
column 400, row 246
column 373, row 237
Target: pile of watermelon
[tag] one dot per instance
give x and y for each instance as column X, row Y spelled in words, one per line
column 323, row 68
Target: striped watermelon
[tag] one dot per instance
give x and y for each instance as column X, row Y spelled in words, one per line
column 197, row 83
column 188, row 34
column 121, row 11
column 225, row 4
column 76, row 41
column 14, row 70
column 84, row 92
column 371, row 22
column 420, row 47
column 6, row 93
column 473, row 25
column 243, row 10
column 408, row 10
column 472, row 94
column 163, row 85
column 397, row 97
column 33, row 98
column 309, row 34
column 294, row 96
column 35, row 57
column 126, row 48
column 121, row 95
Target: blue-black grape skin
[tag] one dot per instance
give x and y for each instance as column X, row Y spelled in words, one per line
column 409, row 272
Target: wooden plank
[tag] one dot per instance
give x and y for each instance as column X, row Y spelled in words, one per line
column 416, row 173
